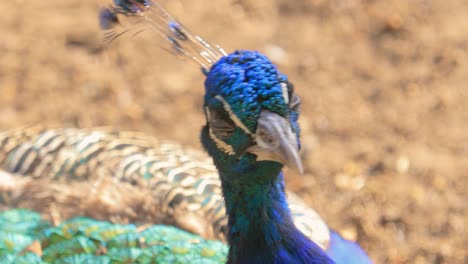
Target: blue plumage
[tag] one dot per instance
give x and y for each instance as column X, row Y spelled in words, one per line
column 261, row 230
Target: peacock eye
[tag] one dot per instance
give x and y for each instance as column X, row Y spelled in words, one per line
column 221, row 124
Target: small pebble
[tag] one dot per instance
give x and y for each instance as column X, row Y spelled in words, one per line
column 402, row 164
column 350, row 182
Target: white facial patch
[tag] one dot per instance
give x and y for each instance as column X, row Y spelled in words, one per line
column 284, row 88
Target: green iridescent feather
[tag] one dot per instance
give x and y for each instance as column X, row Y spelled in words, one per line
column 84, row 240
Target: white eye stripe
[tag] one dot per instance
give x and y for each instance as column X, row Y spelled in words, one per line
column 284, row 88
column 233, row 117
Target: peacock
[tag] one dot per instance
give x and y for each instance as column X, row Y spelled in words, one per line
column 251, row 132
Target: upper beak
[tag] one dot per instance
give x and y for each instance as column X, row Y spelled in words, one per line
column 275, row 141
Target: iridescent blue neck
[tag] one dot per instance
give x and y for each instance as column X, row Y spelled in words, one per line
column 261, row 229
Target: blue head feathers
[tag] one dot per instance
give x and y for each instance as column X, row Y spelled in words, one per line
column 240, row 88
column 248, row 82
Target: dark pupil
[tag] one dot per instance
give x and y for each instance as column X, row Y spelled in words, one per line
column 221, row 124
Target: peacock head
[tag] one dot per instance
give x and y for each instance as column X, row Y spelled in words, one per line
column 251, row 111
column 251, row 108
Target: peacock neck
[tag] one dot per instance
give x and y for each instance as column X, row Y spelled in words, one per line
column 261, row 229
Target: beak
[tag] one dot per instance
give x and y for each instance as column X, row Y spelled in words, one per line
column 275, row 141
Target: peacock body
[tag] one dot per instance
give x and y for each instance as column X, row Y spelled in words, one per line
column 251, row 132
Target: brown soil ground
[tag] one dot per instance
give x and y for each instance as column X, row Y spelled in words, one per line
column 384, row 87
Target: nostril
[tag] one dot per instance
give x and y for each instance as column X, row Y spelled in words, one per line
column 265, row 137
column 262, row 133
column 269, row 140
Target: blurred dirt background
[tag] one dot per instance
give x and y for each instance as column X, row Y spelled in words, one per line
column 384, row 87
